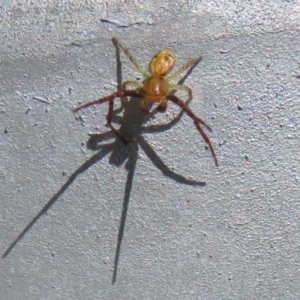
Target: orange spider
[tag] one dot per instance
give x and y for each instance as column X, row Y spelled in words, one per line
column 156, row 88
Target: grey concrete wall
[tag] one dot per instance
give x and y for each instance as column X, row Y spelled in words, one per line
column 237, row 237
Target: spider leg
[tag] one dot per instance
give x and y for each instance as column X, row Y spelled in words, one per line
column 134, row 84
column 189, row 64
column 143, row 107
column 131, row 58
column 110, row 100
column 197, row 122
column 162, row 106
column 109, row 121
column 177, row 87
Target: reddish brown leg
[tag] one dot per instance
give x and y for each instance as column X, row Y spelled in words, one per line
column 197, row 122
column 143, row 107
column 162, row 106
column 109, row 120
column 110, row 100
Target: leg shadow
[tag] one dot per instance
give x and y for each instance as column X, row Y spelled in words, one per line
column 94, row 159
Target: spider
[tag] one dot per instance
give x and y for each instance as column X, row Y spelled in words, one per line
column 156, row 88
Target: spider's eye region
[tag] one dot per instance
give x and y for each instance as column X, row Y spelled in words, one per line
column 162, row 63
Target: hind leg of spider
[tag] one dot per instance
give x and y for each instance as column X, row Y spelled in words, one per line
column 110, row 100
column 176, row 87
column 109, row 121
column 130, row 56
column 197, row 122
column 162, row 106
column 143, row 107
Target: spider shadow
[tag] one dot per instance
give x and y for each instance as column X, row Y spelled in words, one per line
column 131, row 128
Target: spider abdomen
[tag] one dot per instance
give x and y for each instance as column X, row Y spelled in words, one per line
column 155, row 88
column 162, row 63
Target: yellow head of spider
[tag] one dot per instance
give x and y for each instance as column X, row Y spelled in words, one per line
column 162, row 63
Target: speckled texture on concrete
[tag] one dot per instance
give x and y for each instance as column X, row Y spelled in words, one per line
column 237, row 237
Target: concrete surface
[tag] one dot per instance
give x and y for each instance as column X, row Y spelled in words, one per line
column 237, row 237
